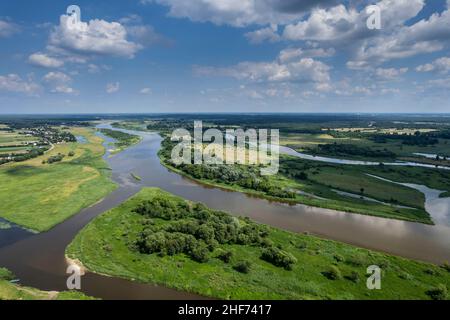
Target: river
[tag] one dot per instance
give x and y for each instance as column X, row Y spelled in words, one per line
column 38, row 259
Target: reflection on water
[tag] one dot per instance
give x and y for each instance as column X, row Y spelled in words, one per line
column 437, row 207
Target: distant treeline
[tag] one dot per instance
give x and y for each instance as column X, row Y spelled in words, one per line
column 19, row 123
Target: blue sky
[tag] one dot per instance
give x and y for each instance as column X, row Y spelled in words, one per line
column 152, row 56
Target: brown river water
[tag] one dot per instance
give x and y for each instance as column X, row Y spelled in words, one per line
column 38, row 260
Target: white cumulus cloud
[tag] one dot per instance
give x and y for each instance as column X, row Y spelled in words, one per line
column 14, row 83
column 7, row 28
column 43, row 60
column 112, row 87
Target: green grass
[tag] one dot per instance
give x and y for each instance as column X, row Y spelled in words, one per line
column 38, row 196
column 432, row 178
column 136, row 177
column 104, row 246
column 354, row 181
column 11, row 291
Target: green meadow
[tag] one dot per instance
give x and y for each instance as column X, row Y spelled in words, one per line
column 314, row 269
column 39, row 195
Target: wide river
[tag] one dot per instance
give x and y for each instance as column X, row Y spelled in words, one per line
column 38, row 260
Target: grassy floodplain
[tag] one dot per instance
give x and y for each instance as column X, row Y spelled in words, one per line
column 39, row 195
column 322, row 269
column 11, row 291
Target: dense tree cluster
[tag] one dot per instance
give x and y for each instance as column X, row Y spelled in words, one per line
column 196, row 231
column 56, row 158
column 297, row 169
column 244, row 176
column 242, row 267
column 279, row 257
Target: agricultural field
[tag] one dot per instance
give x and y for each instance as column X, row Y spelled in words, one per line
column 158, row 238
column 15, row 142
column 42, row 192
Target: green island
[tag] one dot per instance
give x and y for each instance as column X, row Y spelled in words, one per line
column 321, row 185
column 11, row 291
column 43, row 191
column 123, row 140
column 162, row 239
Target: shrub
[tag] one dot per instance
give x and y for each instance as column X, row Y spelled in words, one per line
column 356, row 261
column 302, row 245
column 278, row 258
column 438, row 293
column 446, row 266
column 200, row 253
column 71, row 154
column 163, row 208
column 266, row 243
column 333, row 273
column 338, row 258
column 354, row 277
column 431, row 272
column 57, row 158
column 242, row 267
column 225, row 256
column 5, row 274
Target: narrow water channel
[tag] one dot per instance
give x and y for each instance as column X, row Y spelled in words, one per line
column 38, row 260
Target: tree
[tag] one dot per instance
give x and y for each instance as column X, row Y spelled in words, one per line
column 278, row 258
column 225, row 256
column 242, row 267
